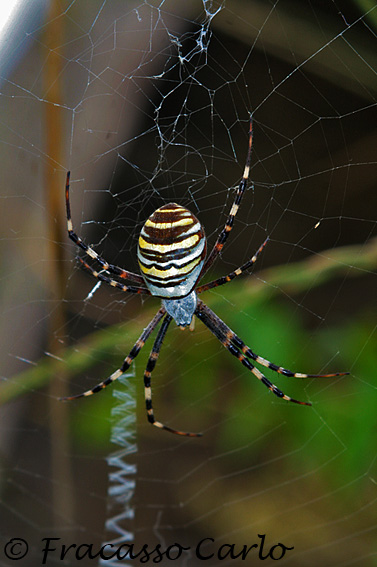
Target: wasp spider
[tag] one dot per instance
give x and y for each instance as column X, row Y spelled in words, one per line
column 172, row 259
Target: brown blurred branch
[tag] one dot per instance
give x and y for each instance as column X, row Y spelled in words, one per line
column 53, row 40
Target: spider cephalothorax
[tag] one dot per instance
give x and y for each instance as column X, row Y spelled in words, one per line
column 172, row 260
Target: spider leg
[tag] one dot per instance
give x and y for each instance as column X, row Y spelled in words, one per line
column 229, row 335
column 233, row 211
column 226, row 336
column 114, row 283
column 147, row 381
column 127, row 361
column 238, row 343
column 89, row 251
column 232, row 275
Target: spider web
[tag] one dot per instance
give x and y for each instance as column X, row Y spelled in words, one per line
column 146, row 103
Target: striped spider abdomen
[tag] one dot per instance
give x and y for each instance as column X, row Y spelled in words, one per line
column 171, row 251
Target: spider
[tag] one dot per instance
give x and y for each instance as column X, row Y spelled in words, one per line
column 172, row 260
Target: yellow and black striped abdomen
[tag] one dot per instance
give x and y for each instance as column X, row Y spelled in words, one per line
column 171, row 251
